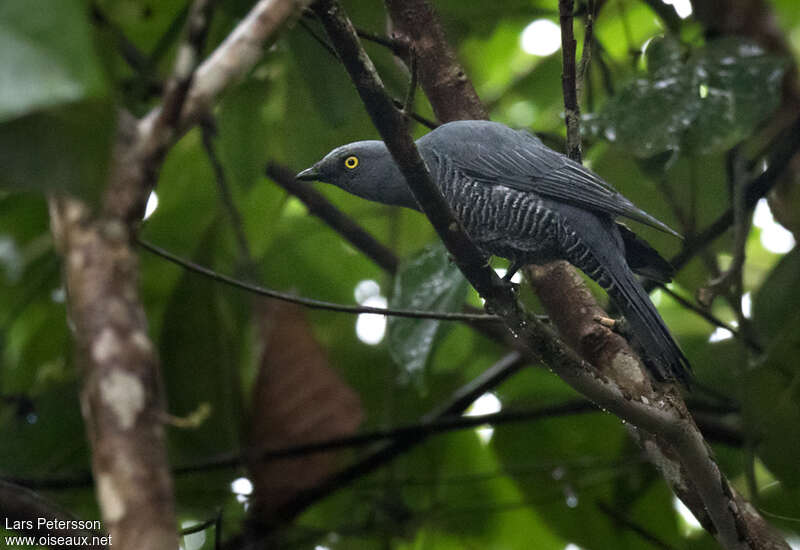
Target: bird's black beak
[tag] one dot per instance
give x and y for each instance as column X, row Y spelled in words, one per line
column 309, row 174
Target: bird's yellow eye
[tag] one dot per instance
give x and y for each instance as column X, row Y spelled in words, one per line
column 351, row 162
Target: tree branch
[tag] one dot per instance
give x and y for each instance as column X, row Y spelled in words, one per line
column 440, row 74
column 569, row 85
column 650, row 409
column 232, row 59
column 456, row 404
column 122, row 396
column 318, row 205
column 784, row 149
column 310, row 302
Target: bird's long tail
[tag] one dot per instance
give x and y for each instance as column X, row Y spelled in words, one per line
column 604, row 261
column 660, row 351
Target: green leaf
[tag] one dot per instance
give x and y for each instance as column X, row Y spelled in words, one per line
column 777, row 299
column 717, row 98
column 771, row 404
column 46, row 56
column 56, row 123
column 63, row 149
column 199, row 345
column 430, row 282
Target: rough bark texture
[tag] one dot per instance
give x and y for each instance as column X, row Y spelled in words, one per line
column 439, row 72
column 233, row 58
column 654, row 410
column 557, row 284
column 120, row 397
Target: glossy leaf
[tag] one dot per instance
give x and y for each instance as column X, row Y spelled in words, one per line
column 46, row 56
column 706, row 105
column 428, row 282
column 55, row 120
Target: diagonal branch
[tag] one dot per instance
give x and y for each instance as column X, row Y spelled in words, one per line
column 652, row 410
column 233, row 58
column 456, row 404
column 318, row 205
column 121, row 394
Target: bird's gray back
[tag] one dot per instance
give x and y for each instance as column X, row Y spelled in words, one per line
column 494, row 154
column 502, row 221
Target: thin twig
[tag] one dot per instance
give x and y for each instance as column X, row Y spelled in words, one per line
column 408, row 104
column 783, row 150
column 419, row 431
column 310, row 302
column 186, row 63
column 208, row 129
column 704, row 484
column 128, row 50
column 456, row 404
column 428, row 123
column 572, row 112
column 730, row 283
column 631, row 525
column 319, row 206
column 586, row 56
column 360, row 238
column 711, row 318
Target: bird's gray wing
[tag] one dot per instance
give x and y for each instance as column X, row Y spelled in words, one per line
column 530, row 166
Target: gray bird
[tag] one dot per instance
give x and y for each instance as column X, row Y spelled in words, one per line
column 520, row 200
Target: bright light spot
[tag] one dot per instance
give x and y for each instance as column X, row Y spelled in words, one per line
column 371, row 327
column 294, row 207
column 571, row 498
column 10, row 258
column 541, row 37
column 516, row 278
column 488, row 403
column 719, row 335
column 365, row 290
column 774, row 237
column 572, row 546
column 793, row 541
column 703, row 91
column 193, row 541
column 682, row 7
column 656, row 297
column 762, row 216
column 777, row 239
column 747, row 305
column 320, row 547
column 686, row 515
column 152, row 204
column 242, row 486
column 58, row 295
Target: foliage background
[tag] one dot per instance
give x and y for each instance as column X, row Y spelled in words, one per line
column 558, row 481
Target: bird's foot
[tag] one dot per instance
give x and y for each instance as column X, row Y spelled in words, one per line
column 620, row 326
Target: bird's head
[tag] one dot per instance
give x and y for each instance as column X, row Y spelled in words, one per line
column 365, row 169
